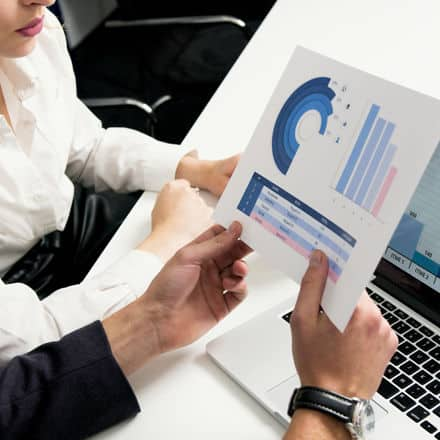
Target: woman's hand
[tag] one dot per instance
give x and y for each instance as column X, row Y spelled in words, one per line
column 212, row 175
column 179, row 215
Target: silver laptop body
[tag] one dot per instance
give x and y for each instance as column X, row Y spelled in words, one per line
column 406, row 287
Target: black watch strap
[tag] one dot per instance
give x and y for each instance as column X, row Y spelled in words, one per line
column 322, row 400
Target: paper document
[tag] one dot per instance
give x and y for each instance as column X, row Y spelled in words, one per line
column 332, row 165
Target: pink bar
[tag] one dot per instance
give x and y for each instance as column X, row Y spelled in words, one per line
column 293, row 244
column 384, row 191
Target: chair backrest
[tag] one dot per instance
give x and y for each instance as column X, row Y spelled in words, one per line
column 81, row 17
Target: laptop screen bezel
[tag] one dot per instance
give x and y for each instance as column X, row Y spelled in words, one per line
column 409, row 290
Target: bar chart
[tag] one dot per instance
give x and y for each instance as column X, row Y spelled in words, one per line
column 369, row 173
column 296, row 224
column 415, row 245
column 406, row 250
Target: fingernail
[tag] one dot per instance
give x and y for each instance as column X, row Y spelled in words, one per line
column 315, row 258
column 234, row 228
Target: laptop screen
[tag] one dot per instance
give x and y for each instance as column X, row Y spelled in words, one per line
column 411, row 263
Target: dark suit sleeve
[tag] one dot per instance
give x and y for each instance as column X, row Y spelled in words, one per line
column 66, row 390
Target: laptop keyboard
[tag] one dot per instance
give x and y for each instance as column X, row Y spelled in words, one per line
column 412, row 379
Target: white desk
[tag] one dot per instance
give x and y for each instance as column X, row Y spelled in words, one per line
column 183, row 395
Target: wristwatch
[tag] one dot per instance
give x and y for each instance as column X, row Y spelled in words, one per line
column 357, row 414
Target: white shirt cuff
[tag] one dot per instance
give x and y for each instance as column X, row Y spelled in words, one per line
column 136, row 269
column 163, row 168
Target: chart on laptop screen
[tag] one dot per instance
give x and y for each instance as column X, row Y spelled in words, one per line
column 415, row 245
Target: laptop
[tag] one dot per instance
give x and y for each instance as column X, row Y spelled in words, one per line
column 406, row 288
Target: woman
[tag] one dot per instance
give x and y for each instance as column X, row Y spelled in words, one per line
column 50, row 233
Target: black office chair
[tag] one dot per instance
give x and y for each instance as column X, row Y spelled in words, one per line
column 180, row 73
column 200, row 20
column 148, row 111
column 176, row 64
column 188, row 57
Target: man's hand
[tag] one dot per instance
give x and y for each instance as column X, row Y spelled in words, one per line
column 179, row 215
column 198, row 287
column 350, row 363
column 212, row 175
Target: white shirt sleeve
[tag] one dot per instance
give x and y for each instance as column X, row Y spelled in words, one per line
column 120, row 159
column 26, row 322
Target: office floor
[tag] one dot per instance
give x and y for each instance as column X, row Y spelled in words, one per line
column 187, row 62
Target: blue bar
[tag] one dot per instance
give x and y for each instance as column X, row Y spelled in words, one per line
column 365, row 159
column 406, row 236
column 380, row 176
column 258, row 181
column 426, row 263
column 357, row 150
column 374, row 164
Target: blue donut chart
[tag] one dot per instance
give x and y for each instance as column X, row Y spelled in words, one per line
column 312, row 95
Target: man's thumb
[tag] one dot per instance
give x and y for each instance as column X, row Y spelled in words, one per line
column 312, row 285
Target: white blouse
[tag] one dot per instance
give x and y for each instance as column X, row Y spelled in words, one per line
column 54, row 141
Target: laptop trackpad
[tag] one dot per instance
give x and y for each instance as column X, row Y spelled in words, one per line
column 280, row 395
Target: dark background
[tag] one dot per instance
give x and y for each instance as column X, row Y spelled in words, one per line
column 188, row 62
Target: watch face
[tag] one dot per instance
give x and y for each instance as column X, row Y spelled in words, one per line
column 364, row 421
